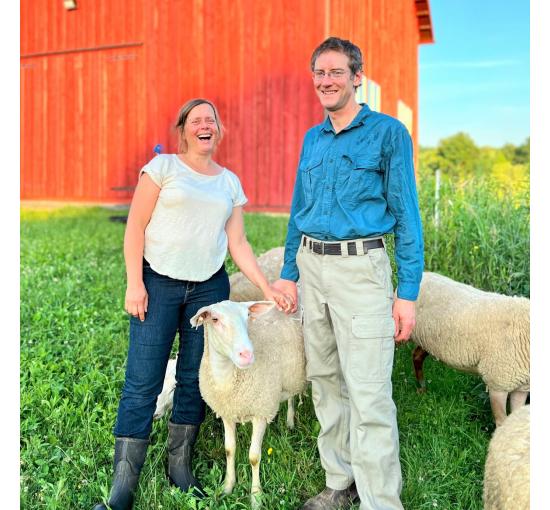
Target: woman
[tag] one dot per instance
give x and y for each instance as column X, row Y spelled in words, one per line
column 186, row 212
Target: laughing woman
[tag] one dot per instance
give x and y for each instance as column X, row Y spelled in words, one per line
column 185, row 214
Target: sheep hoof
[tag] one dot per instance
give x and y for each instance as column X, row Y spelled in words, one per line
column 256, row 498
column 421, row 390
column 228, row 488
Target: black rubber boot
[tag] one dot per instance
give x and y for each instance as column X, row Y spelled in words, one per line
column 181, row 439
column 129, row 459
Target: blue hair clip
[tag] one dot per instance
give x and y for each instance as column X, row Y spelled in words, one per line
column 158, row 148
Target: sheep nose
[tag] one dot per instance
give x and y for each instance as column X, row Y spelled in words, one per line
column 246, row 357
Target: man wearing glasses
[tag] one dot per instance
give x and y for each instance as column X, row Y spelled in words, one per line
column 355, row 183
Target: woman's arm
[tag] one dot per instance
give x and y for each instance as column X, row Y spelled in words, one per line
column 141, row 209
column 244, row 258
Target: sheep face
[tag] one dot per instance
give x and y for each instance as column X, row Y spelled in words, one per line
column 226, row 323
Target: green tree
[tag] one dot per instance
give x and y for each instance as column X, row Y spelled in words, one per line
column 428, row 161
column 522, row 154
column 517, row 155
column 459, row 156
column 509, row 152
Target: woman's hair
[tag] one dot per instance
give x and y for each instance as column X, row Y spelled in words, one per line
column 182, row 119
column 342, row 46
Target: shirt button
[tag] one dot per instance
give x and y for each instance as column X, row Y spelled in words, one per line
column 331, row 161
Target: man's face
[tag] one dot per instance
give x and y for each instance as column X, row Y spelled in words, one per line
column 335, row 92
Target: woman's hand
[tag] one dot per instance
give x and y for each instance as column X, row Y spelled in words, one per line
column 289, row 290
column 283, row 302
column 136, row 301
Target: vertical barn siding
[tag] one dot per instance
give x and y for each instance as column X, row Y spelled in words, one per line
column 91, row 115
column 82, row 135
column 387, row 33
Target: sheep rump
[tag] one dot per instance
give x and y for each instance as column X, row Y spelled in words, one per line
column 506, row 483
column 242, row 289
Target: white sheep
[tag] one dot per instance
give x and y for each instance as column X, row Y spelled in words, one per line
column 475, row 331
column 242, row 289
column 506, row 483
column 253, row 359
column 166, row 398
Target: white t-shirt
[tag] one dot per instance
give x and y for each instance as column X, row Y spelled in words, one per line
column 186, row 238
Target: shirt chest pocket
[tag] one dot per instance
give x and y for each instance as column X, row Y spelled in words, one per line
column 360, row 178
column 311, row 172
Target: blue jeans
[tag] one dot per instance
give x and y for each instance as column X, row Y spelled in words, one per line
column 172, row 303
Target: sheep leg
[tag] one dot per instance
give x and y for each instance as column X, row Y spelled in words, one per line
column 419, row 355
column 290, row 413
column 498, row 405
column 164, row 403
column 255, row 455
column 230, row 449
column 517, row 399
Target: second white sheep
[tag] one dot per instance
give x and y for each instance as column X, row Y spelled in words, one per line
column 270, row 262
column 475, row 331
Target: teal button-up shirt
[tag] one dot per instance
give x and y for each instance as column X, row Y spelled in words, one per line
column 359, row 183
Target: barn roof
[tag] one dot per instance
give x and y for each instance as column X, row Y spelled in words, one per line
column 424, row 17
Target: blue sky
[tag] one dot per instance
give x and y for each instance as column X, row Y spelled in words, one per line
column 475, row 77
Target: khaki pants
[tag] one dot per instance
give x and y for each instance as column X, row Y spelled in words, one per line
column 348, row 331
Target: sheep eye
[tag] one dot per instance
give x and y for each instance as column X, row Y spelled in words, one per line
column 214, row 319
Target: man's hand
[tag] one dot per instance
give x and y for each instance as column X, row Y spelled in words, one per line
column 288, row 288
column 404, row 315
column 283, row 302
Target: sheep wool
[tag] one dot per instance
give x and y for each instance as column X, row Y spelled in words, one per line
column 277, row 373
column 475, row 331
column 507, row 471
column 270, row 263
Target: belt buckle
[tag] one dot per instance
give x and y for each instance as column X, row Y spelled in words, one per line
column 318, row 246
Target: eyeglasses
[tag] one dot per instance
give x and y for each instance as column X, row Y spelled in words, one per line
column 335, row 74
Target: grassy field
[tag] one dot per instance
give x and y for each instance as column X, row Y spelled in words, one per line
column 73, row 346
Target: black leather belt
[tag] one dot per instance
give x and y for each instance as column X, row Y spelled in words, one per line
column 336, row 248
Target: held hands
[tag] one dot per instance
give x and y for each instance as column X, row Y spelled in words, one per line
column 289, row 291
column 404, row 315
column 136, row 301
column 284, row 304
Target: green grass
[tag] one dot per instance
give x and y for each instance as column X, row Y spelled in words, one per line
column 73, row 347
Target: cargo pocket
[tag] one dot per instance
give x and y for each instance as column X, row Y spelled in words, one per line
column 371, row 348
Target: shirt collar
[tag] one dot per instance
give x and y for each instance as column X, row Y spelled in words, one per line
column 357, row 121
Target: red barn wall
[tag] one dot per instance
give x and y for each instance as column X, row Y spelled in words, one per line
column 101, row 85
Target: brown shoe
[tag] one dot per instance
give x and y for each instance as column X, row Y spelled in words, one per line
column 332, row 499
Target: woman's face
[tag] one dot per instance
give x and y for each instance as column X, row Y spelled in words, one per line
column 201, row 130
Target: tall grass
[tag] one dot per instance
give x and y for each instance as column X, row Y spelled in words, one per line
column 73, row 347
column 483, row 234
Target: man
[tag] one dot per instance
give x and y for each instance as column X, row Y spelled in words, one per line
column 355, row 183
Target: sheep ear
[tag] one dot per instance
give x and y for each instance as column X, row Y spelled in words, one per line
column 257, row 308
column 203, row 314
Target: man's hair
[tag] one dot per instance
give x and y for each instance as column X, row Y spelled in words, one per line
column 342, row 46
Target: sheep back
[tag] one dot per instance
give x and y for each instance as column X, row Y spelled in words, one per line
column 277, row 373
column 475, row 331
column 270, row 263
column 507, row 472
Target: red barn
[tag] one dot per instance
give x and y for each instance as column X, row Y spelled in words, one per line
column 102, row 82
